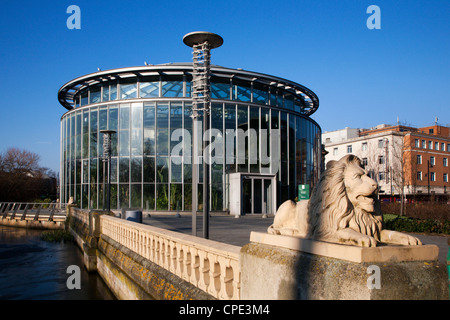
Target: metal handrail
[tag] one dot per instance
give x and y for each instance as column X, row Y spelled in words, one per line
column 13, row 209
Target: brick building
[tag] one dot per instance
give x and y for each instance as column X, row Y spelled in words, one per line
column 402, row 159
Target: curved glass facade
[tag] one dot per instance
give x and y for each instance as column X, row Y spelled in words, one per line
column 257, row 128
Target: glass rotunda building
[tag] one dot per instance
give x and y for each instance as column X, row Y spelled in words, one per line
column 265, row 143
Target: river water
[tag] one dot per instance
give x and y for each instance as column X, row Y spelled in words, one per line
column 33, row 269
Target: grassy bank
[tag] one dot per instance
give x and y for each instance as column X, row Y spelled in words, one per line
column 56, row 236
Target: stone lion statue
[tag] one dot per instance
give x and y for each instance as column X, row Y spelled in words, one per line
column 343, row 208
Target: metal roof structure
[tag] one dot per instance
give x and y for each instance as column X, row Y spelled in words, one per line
column 68, row 91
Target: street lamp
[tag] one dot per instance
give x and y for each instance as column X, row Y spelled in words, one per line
column 107, row 167
column 201, row 43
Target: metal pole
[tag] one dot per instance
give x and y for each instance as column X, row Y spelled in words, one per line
column 107, row 163
column 202, row 43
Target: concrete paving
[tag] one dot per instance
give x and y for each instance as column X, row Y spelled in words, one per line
column 236, row 231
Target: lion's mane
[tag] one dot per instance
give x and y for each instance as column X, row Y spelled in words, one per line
column 330, row 209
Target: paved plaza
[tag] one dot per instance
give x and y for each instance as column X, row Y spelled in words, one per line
column 236, row 231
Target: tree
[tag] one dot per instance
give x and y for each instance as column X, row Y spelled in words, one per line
column 21, row 177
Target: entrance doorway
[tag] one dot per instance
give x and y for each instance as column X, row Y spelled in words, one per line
column 257, row 195
column 252, row 194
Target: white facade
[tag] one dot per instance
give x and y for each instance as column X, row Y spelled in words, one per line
column 381, row 154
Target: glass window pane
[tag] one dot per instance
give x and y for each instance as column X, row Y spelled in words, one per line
column 220, row 88
column 136, row 196
column 149, row 129
column 176, row 198
column 162, row 197
column 128, row 90
column 149, row 87
column 241, row 91
column 114, row 170
column 136, row 169
column 173, row 87
column 260, row 93
column 124, row 170
column 103, row 119
column 124, row 195
column 187, row 197
column 149, row 197
column 84, row 97
column 176, row 169
column 124, row 116
column 149, row 169
column 162, row 115
column 113, row 91
column 95, row 94
column 124, row 149
column 105, row 96
column 113, row 118
column 162, row 169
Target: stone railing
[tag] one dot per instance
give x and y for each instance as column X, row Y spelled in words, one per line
column 209, row 265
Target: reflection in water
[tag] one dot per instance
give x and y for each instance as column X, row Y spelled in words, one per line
column 34, row 269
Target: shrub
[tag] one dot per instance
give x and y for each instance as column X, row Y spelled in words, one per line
column 56, row 236
column 418, row 225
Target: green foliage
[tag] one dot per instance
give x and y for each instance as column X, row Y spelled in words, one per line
column 417, row 225
column 56, row 236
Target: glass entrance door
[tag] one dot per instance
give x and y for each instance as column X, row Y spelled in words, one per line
column 257, row 195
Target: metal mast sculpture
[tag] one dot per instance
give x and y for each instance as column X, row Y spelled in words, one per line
column 201, row 43
column 107, row 168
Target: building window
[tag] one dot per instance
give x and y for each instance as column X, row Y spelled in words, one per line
column 364, row 146
column 381, row 160
column 432, row 161
column 349, row 149
column 424, row 144
column 416, row 143
column 436, row 146
column 380, row 143
column 445, row 177
column 443, row 146
column 445, row 162
column 419, row 175
column 419, row 159
column 430, row 131
column 432, row 176
column 448, row 146
column 335, row 151
column 430, row 144
column 364, row 162
column 381, row 176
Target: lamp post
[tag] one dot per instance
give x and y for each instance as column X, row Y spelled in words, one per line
column 201, row 43
column 107, row 168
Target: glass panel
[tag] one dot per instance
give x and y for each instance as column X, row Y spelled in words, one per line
column 162, row 197
column 128, row 89
column 230, row 145
column 220, row 88
column 241, row 91
column 84, row 97
column 149, row 87
column 136, row 196
column 260, row 93
column 247, row 195
column 149, row 129
column 173, row 87
column 242, row 141
column 103, row 119
column 113, row 91
column 124, row 195
column 85, row 134
column 176, row 200
column 114, row 168
column 94, row 136
column 85, row 171
column 162, row 169
column 176, row 172
column 113, row 118
column 217, row 197
column 187, row 171
column 187, row 197
column 267, row 196
column 136, row 132
column 257, row 195
column 95, row 94
column 124, row 116
column 113, row 199
column 136, row 169
column 149, row 169
column 254, row 139
column 288, row 101
column 149, row 197
column 124, row 143
column 124, row 169
column 105, row 95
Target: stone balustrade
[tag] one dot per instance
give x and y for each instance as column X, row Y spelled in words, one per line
column 209, row 265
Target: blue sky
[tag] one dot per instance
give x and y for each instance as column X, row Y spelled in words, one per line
column 362, row 77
